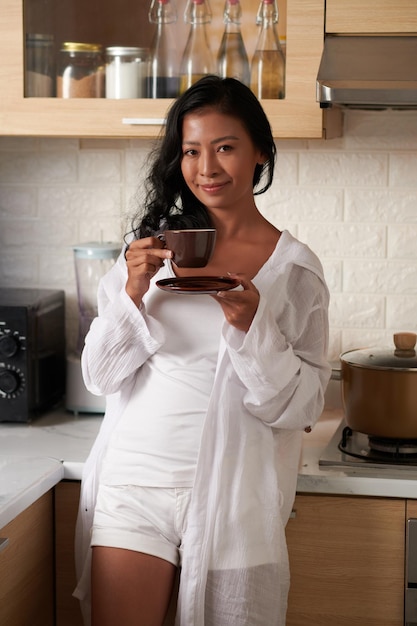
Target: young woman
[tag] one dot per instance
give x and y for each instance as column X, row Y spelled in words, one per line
column 195, row 466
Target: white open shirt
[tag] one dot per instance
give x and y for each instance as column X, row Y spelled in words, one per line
column 269, row 386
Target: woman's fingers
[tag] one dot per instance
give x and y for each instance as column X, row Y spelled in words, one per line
column 144, row 257
column 149, row 246
column 239, row 306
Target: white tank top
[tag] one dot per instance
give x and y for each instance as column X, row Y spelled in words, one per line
column 157, row 439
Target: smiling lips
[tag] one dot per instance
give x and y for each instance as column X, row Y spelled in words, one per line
column 212, row 188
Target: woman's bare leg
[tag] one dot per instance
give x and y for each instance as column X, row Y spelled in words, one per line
column 129, row 588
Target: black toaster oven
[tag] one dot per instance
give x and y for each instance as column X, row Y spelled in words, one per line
column 32, row 352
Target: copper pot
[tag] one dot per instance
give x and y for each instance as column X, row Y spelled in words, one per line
column 379, row 389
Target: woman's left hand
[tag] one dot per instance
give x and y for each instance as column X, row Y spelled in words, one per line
column 239, row 307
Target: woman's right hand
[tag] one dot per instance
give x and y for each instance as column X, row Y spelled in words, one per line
column 144, row 257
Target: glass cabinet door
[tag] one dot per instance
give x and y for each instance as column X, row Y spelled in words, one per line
column 35, row 35
column 59, row 33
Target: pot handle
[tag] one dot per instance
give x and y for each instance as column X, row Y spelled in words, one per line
column 405, row 341
column 336, row 372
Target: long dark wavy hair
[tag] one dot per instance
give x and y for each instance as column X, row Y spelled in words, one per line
column 169, row 203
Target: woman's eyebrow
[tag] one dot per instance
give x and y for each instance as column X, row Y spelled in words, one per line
column 214, row 141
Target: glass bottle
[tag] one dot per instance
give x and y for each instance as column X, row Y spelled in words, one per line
column 268, row 63
column 232, row 59
column 197, row 59
column 163, row 81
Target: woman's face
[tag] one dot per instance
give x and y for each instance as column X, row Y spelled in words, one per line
column 218, row 159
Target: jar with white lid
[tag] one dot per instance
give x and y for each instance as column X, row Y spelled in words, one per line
column 126, row 72
column 80, row 71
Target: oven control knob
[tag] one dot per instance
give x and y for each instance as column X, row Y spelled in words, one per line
column 8, row 345
column 9, row 381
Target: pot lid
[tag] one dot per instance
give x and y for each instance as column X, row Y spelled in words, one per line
column 403, row 357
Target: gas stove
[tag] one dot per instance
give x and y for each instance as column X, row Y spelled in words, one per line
column 352, row 449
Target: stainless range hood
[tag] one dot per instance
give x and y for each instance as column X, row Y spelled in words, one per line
column 368, row 71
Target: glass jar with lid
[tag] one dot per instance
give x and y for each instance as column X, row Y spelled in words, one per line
column 80, row 71
column 126, row 72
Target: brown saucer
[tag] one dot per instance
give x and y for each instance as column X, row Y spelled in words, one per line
column 197, row 284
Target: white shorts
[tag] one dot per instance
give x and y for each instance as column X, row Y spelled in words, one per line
column 144, row 519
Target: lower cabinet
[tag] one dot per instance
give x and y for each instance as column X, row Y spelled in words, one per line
column 27, row 567
column 68, row 611
column 347, row 558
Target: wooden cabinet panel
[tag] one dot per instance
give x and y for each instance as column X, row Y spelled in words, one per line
column 371, row 16
column 412, row 508
column 67, row 495
column 347, row 561
column 26, row 567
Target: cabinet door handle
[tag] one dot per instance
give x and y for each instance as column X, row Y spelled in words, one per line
column 4, row 542
column 144, row 121
column 411, row 573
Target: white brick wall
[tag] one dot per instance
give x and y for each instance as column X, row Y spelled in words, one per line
column 352, row 199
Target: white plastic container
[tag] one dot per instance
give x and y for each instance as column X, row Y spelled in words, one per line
column 126, row 72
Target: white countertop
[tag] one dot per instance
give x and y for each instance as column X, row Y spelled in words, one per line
column 58, row 434
column 35, row 457
column 23, row 480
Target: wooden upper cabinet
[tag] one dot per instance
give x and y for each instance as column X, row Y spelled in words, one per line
column 297, row 116
column 371, row 16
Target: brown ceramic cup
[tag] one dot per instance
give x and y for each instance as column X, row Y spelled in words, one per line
column 192, row 247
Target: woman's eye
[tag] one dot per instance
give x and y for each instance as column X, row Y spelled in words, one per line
column 225, row 148
column 190, row 152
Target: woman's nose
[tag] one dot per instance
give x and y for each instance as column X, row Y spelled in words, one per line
column 208, row 164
